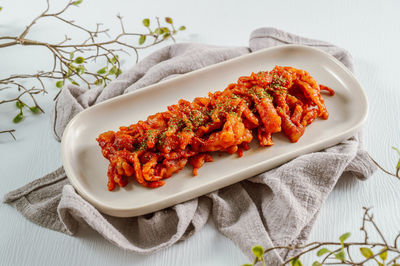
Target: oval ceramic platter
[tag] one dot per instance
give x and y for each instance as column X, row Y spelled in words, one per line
column 87, row 169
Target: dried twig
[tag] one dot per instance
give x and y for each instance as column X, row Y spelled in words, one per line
column 10, row 131
column 386, row 171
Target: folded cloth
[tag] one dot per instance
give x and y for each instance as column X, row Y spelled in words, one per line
column 277, row 207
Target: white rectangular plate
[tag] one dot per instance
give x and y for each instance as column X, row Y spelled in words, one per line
column 87, row 169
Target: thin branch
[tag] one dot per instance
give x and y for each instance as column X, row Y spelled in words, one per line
column 383, row 169
column 25, row 32
column 10, row 131
column 395, row 240
column 393, row 260
column 348, row 253
column 363, row 228
column 371, row 220
column 31, row 92
column 332, row 256
column 70, row 58
column 329, row 254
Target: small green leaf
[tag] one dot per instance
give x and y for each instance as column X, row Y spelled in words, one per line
column 79, row 60
column 18, row 117
column 258, row 251
column 146, row 22
column 69, row 72
column 119, row 72
column 165, row 29
column 98, row 82
column 383, row 255
column 398, row 151
column 112, row 71
column 142, row 39
column 114, row 59
column 60, row 83
column 168, row 20
column 19, row 104
column 343, row 237
column 73, row 82
column 322, row 251
column 316, row 263
column 340, row 255
column 102, row 71
column 71, row 55
column 1, row 8
column 80, row 69
column 366, row 252
column 166, row 35
column 159, row 31
column 77, row 2
column 296, row 262
column 34, row 109
column 182, row 28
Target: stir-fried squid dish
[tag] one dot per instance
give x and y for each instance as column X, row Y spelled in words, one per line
column 285, row 99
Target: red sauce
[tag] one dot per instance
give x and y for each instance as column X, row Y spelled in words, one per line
column 284, row 99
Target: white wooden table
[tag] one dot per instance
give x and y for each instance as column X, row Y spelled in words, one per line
column 370, row 30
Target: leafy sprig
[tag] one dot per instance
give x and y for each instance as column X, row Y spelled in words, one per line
column 71, row 59
column 341, row 252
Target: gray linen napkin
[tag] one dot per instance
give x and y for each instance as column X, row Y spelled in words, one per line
column 277, row 207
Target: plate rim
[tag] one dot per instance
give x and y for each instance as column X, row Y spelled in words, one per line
column 131, row 212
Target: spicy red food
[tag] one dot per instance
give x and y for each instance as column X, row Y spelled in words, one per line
column 285, row 99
